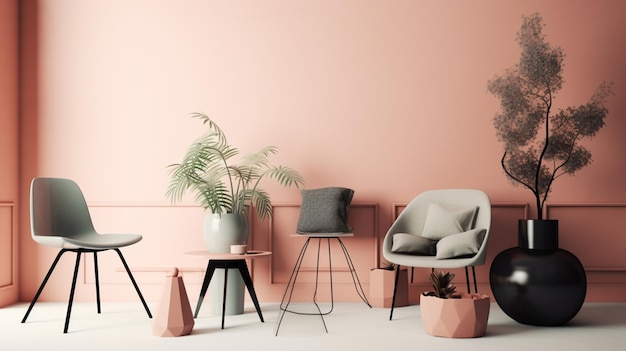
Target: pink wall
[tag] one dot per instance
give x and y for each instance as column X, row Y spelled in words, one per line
column 387, row 98
column 8, row 151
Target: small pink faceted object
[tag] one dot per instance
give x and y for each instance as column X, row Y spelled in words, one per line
column 174, row 316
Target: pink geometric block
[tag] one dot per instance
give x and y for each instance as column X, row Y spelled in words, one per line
column 455, row 318
column 381, row 288
column 174, row 317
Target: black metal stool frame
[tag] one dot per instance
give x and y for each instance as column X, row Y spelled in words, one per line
column 284, row 305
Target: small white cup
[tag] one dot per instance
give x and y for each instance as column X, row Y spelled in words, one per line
column 238, row 249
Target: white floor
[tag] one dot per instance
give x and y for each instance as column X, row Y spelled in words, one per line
column 351, row 326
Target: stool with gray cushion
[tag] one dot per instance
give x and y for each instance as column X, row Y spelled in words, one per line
column 323, row 215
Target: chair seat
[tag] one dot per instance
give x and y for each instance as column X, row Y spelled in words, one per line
column 90, row 241
column 324, row 235
column 430, row 261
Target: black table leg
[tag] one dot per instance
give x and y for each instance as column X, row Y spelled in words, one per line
column 210, row 269
column 245, row 274
column 224, row 296
column 239, row 264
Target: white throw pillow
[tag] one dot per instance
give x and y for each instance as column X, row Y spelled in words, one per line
column 461, row 244
column 412, row 244
column 444, row 220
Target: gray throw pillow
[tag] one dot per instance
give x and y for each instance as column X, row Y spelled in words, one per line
column 412, row 244
column 443, row 220
column 465, row 244
column 325, row 210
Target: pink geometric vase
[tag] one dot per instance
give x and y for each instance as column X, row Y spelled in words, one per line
column 464, row 317
column 174, row 316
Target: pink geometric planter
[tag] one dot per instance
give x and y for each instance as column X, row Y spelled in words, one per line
column 455, row 318
column 174, row 317
column 381, row 288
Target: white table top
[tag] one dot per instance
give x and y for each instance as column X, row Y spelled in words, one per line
column 229, row 256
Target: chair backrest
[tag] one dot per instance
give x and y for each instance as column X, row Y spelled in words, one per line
column 412, row 218
column 57, row 209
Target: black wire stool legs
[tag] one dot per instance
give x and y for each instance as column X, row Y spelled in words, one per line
column 287, row 295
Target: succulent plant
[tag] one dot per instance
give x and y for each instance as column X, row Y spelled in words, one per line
column 389, row 266
column 442, row 285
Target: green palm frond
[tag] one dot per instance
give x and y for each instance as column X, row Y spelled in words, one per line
column 221, row 185
column 213, row 127
column 261, row 201
column 251, row 166
column 286, row 176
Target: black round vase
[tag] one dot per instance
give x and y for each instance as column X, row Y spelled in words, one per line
column 537, row 283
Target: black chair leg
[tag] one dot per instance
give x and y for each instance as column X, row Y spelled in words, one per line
column 43, row 284
column 132, row 279
column 95, row 265
column 467, row 280
column 474, row 274
column 395, row 289
column 71, row 300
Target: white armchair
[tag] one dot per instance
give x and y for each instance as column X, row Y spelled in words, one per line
column 444, row 228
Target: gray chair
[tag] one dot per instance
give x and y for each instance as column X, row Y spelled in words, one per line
column 59, row 217
column 413, row 220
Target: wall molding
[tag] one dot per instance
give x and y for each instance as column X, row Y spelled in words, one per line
column 396, row 207
column 10, row 205
column 593, row 205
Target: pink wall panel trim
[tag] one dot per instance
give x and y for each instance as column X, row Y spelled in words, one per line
column 10, row 61
column 594, row 232
column 8, row 245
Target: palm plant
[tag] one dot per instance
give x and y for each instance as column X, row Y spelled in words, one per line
column 222, row 185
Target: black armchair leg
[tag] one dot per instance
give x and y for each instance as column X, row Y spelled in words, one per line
column 395, row 289
column 474, row 274
column 467, row 280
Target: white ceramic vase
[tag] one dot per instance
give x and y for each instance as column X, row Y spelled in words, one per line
column 221, row 231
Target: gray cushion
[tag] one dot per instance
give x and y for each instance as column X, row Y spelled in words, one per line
column 465, row 244
column 444, row 220
column 412, row 244
column 325, row 210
